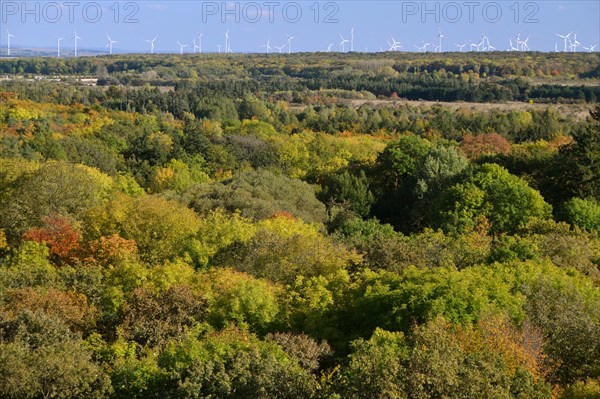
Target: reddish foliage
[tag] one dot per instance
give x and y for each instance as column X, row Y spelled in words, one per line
column 62, row 235
column 483, row 144
column 283, row 215
column 108, row 250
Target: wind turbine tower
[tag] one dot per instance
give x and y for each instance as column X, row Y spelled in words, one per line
column 267, row 46
column 289, row 43
column 575, row 43
column 181, row 47
column 565, row 38
column 343, row 43
column 75, row 38
column 110, row 43
column 8, row 36
column 58, row 47
column 440, row 37
column 152, row 44
column 525, row 46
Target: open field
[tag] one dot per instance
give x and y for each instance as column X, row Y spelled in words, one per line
column 576, row 111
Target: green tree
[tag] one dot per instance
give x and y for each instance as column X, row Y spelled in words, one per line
column 350, row 192
column 376, row 368
column 237, row 298
column 285, row 248
column 55, row 188
column 41, row 358
column 160, row 228
column 578, row 164
column 584, row 213
column 152, row 318
column 258, row 195
column 492, row 192
column 233, row 364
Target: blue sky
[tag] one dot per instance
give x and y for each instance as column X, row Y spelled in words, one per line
column 315, row 24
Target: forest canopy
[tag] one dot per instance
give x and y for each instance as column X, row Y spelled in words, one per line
column 254, row 226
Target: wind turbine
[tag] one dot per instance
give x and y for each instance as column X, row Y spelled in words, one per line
column 425, row 46
column 423, row 49
column 524, row 45
column 152, row 44
column 219, row 46
column 461, row 46
column 520, row 46
column 58, row 47
column 352, row 39
column 590, row 49
column 575, row 43
column 75, row 38
column 343, row 43
column 195, row 45
column 280, row 48
column 289, row 43
column 487, row 46
column 329, row 47
column 481, row 43
column 227, row 42
column 200, row 42
column 394, row 45
column 440, row 37
column 565, row 38
column 513, row 48
column 8, row 36
column 181, row 47
column 472, row 46
column 267, row 45
column 110, row 43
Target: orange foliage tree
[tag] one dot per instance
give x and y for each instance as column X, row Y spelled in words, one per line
column 62, row 234
column 484, row 144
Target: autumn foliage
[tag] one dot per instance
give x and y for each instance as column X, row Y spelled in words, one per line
column 484, row 144
column 61, row 233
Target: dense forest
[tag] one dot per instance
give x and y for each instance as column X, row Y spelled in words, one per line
column 252, row 226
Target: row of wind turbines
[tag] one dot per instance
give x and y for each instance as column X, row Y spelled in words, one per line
column 573, row 44
column 483, row 44
column 197, row 45
column 268, row 48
